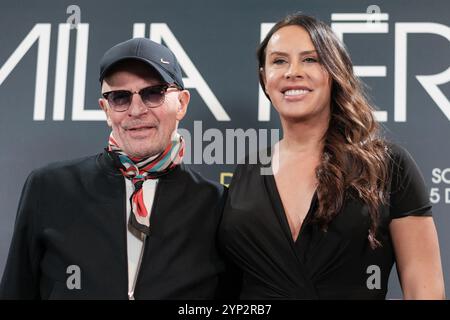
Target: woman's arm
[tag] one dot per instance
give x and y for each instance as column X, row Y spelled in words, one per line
column 418, row 258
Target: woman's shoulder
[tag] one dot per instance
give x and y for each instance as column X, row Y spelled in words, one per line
column 399, row 156
column 256, row 159
column 395, row 150
column 252, row 166
column 408, row 191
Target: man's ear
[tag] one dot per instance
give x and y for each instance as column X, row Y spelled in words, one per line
column 183, row 101
column 104, row 106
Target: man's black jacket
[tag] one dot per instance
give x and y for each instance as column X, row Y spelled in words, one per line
column 73, row 214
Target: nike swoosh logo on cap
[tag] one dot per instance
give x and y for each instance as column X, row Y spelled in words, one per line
column 165, row 62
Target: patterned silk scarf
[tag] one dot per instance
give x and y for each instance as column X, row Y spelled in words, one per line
column 139, row 171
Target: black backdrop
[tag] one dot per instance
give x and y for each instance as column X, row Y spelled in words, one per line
column 41, row 55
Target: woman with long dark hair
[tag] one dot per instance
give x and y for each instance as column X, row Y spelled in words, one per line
column 342, row 204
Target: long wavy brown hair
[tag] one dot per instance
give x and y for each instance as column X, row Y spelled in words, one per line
column 355, row 156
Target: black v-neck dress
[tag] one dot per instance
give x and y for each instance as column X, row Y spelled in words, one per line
column 337, row 264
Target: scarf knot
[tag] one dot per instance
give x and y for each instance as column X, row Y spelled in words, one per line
column 139, row 171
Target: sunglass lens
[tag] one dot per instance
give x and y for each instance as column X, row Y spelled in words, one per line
column 152, row 96
column 120, row 99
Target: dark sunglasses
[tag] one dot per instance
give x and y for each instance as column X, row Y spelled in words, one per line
column 152, row 97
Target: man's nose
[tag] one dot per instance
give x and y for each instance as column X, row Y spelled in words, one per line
column 137, row 106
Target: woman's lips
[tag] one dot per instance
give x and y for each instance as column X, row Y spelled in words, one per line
column 295, row 94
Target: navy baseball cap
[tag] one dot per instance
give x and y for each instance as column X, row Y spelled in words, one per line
column 154, row 54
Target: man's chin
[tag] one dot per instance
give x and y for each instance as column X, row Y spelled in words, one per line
column 144, row 152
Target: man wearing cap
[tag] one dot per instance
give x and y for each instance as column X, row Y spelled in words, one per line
column 132, row 222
